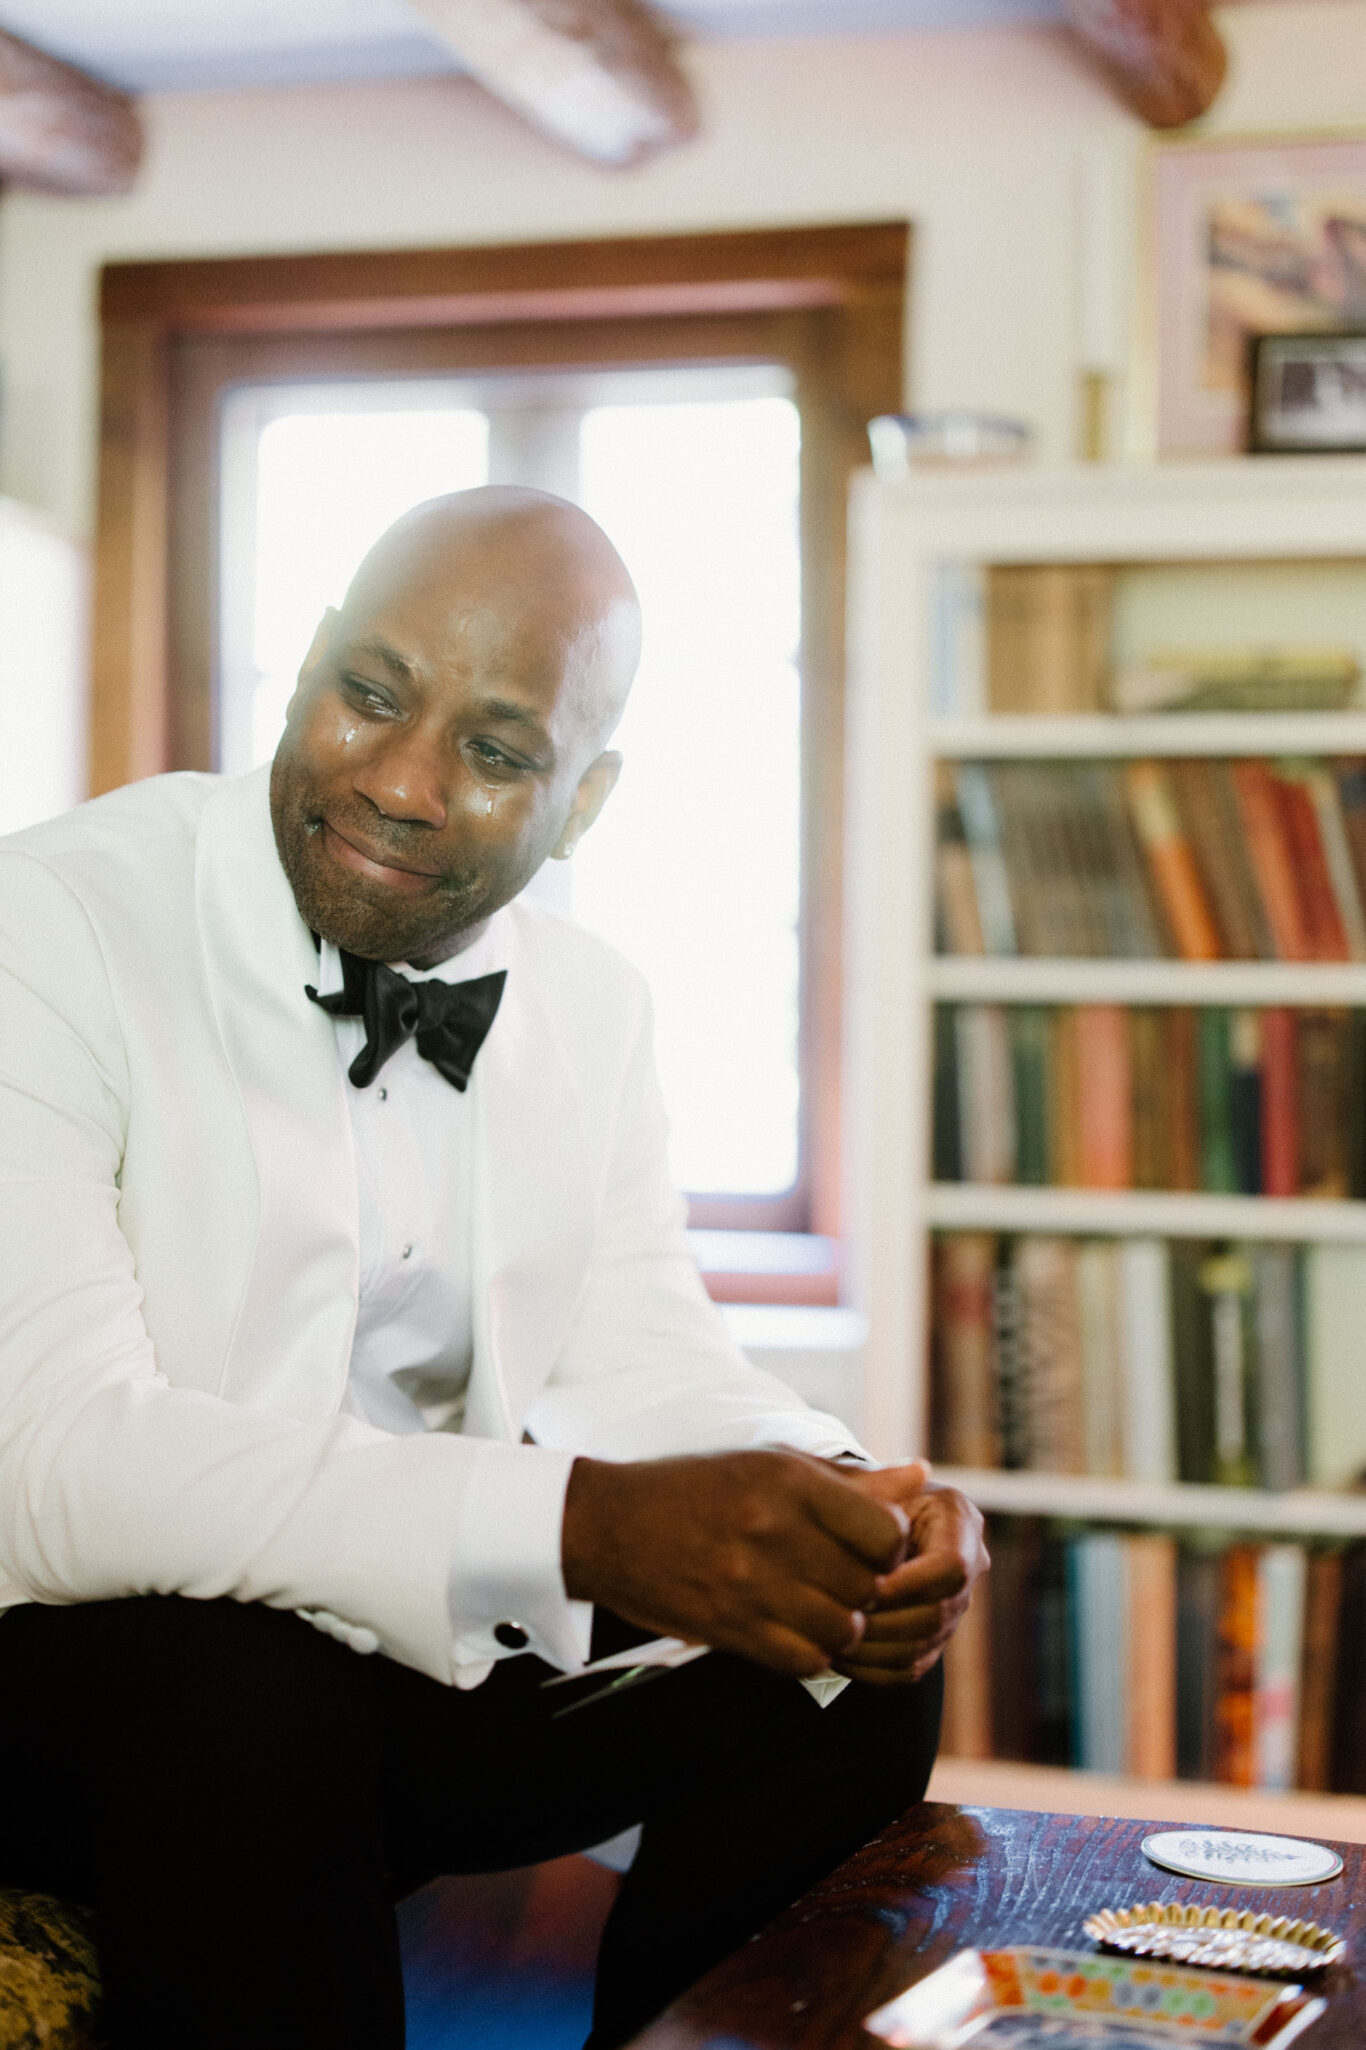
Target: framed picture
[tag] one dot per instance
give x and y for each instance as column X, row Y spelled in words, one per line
column 1249, row 238
column 1308, row 394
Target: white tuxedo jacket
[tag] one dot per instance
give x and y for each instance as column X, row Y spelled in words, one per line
column 178, row 1248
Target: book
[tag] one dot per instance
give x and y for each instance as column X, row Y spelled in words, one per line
column 1014, row 1544
column 1012, row 1416
column 1350, row 777
column 1354, row 1122
column 946, row 1148
column 986, row 1094
column 1046, row 1279
column 1349, row 1693
column 1209, row 813
column 1244, row 1048
column 1279, row 1367
column 1218, row 1171
column 965, row 1731
column 1064, row 1128
column 1193, row 1350
column 1280, row 1125
column 1034, row 801
column 1237, row 680
column 1319, row 915
column 957, row 920
column 1334, row 1292
column 1325, row 795
column 981, row 829
column 1105, row 1110
column 1098, row 1596
column 1272, row 860
column 1102, row 1367
column 1180, row 1030
column 1322, row 1110
column 1150, row 1096
column 1235, row 1758
column 1199, row 1582
column 1149, row 1426
column 1318, row 1670
column 1280, row 1617
column 1171, row 862
column 1150, row 1656
column 1054, row 1705
column 1048, row 637
column 1031, row 1037
column 1116, row 872
column 967, row 1423
column 1226, row 1278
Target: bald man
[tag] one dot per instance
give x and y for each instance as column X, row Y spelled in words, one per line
column 355, row 1382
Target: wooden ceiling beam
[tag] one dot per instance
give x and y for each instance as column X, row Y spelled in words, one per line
column 60, row 129
column 598, row 75
column 1165, row 58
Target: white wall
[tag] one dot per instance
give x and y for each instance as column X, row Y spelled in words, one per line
column 976, row 136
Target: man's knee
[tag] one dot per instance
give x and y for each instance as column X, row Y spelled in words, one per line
column 168, row 1674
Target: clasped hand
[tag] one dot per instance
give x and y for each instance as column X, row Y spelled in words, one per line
column 778, row 1557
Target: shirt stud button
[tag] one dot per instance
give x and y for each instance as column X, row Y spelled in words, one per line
column 384, row 1096
column 511, row 1636
column 407, row 1252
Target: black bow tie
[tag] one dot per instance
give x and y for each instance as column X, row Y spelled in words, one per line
column 451, row 1019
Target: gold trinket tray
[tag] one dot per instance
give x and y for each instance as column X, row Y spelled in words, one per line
column 1222, row 1939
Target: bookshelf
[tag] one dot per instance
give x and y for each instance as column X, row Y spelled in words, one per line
column 1137, row 1622
column 1296, row 512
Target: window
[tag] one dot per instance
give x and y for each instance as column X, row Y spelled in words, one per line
column 547, row 343
column 694, row 870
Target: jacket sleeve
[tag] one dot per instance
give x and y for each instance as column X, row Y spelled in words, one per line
column 649, row 1367
column 112, row 1481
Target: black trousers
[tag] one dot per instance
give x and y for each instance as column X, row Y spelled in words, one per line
column 242, row 1800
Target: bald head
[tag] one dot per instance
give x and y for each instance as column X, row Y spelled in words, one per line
column 449, row 728
column 533, row 565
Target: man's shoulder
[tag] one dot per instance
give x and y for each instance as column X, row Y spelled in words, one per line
column 567, row 956
column 154, row 815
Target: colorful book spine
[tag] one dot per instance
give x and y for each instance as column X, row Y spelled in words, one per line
column 981, row 828
column 1218, row 1172
column 1272, row 859
column 1149, row 1427
column 1105, row 1111
column 1098, row 1596
column 986, row 1094
column 1150, row 1564
column 967, row 1428
column 1171, row 862
column 1235, row 1708
column 1280, row 1104
column 1280, row 1640
column 1318, row 1669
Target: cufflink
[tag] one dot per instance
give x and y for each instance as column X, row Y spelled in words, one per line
column 511, row 1636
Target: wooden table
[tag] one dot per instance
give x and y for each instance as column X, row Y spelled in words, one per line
column 943, row 1879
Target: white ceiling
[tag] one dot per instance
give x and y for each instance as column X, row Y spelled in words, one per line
column 174, row 45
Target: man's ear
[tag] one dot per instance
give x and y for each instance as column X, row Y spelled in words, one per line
column 317, row 648
column 595, row 787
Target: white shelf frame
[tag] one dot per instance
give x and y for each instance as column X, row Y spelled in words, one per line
column 1179, row 734
column 995, row 979
column 1295, row 508
column 1301, row 1512
column 1143, row 1213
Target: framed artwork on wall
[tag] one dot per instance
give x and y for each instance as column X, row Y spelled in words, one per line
column 1249, row 238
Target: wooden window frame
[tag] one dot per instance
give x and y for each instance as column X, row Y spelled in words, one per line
column 828, row 302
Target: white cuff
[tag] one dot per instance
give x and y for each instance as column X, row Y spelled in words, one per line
column 505, row 1568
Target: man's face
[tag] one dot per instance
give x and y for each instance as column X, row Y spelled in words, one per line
column 440, row 745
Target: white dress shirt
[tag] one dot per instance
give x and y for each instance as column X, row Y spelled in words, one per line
column 413, row 1345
